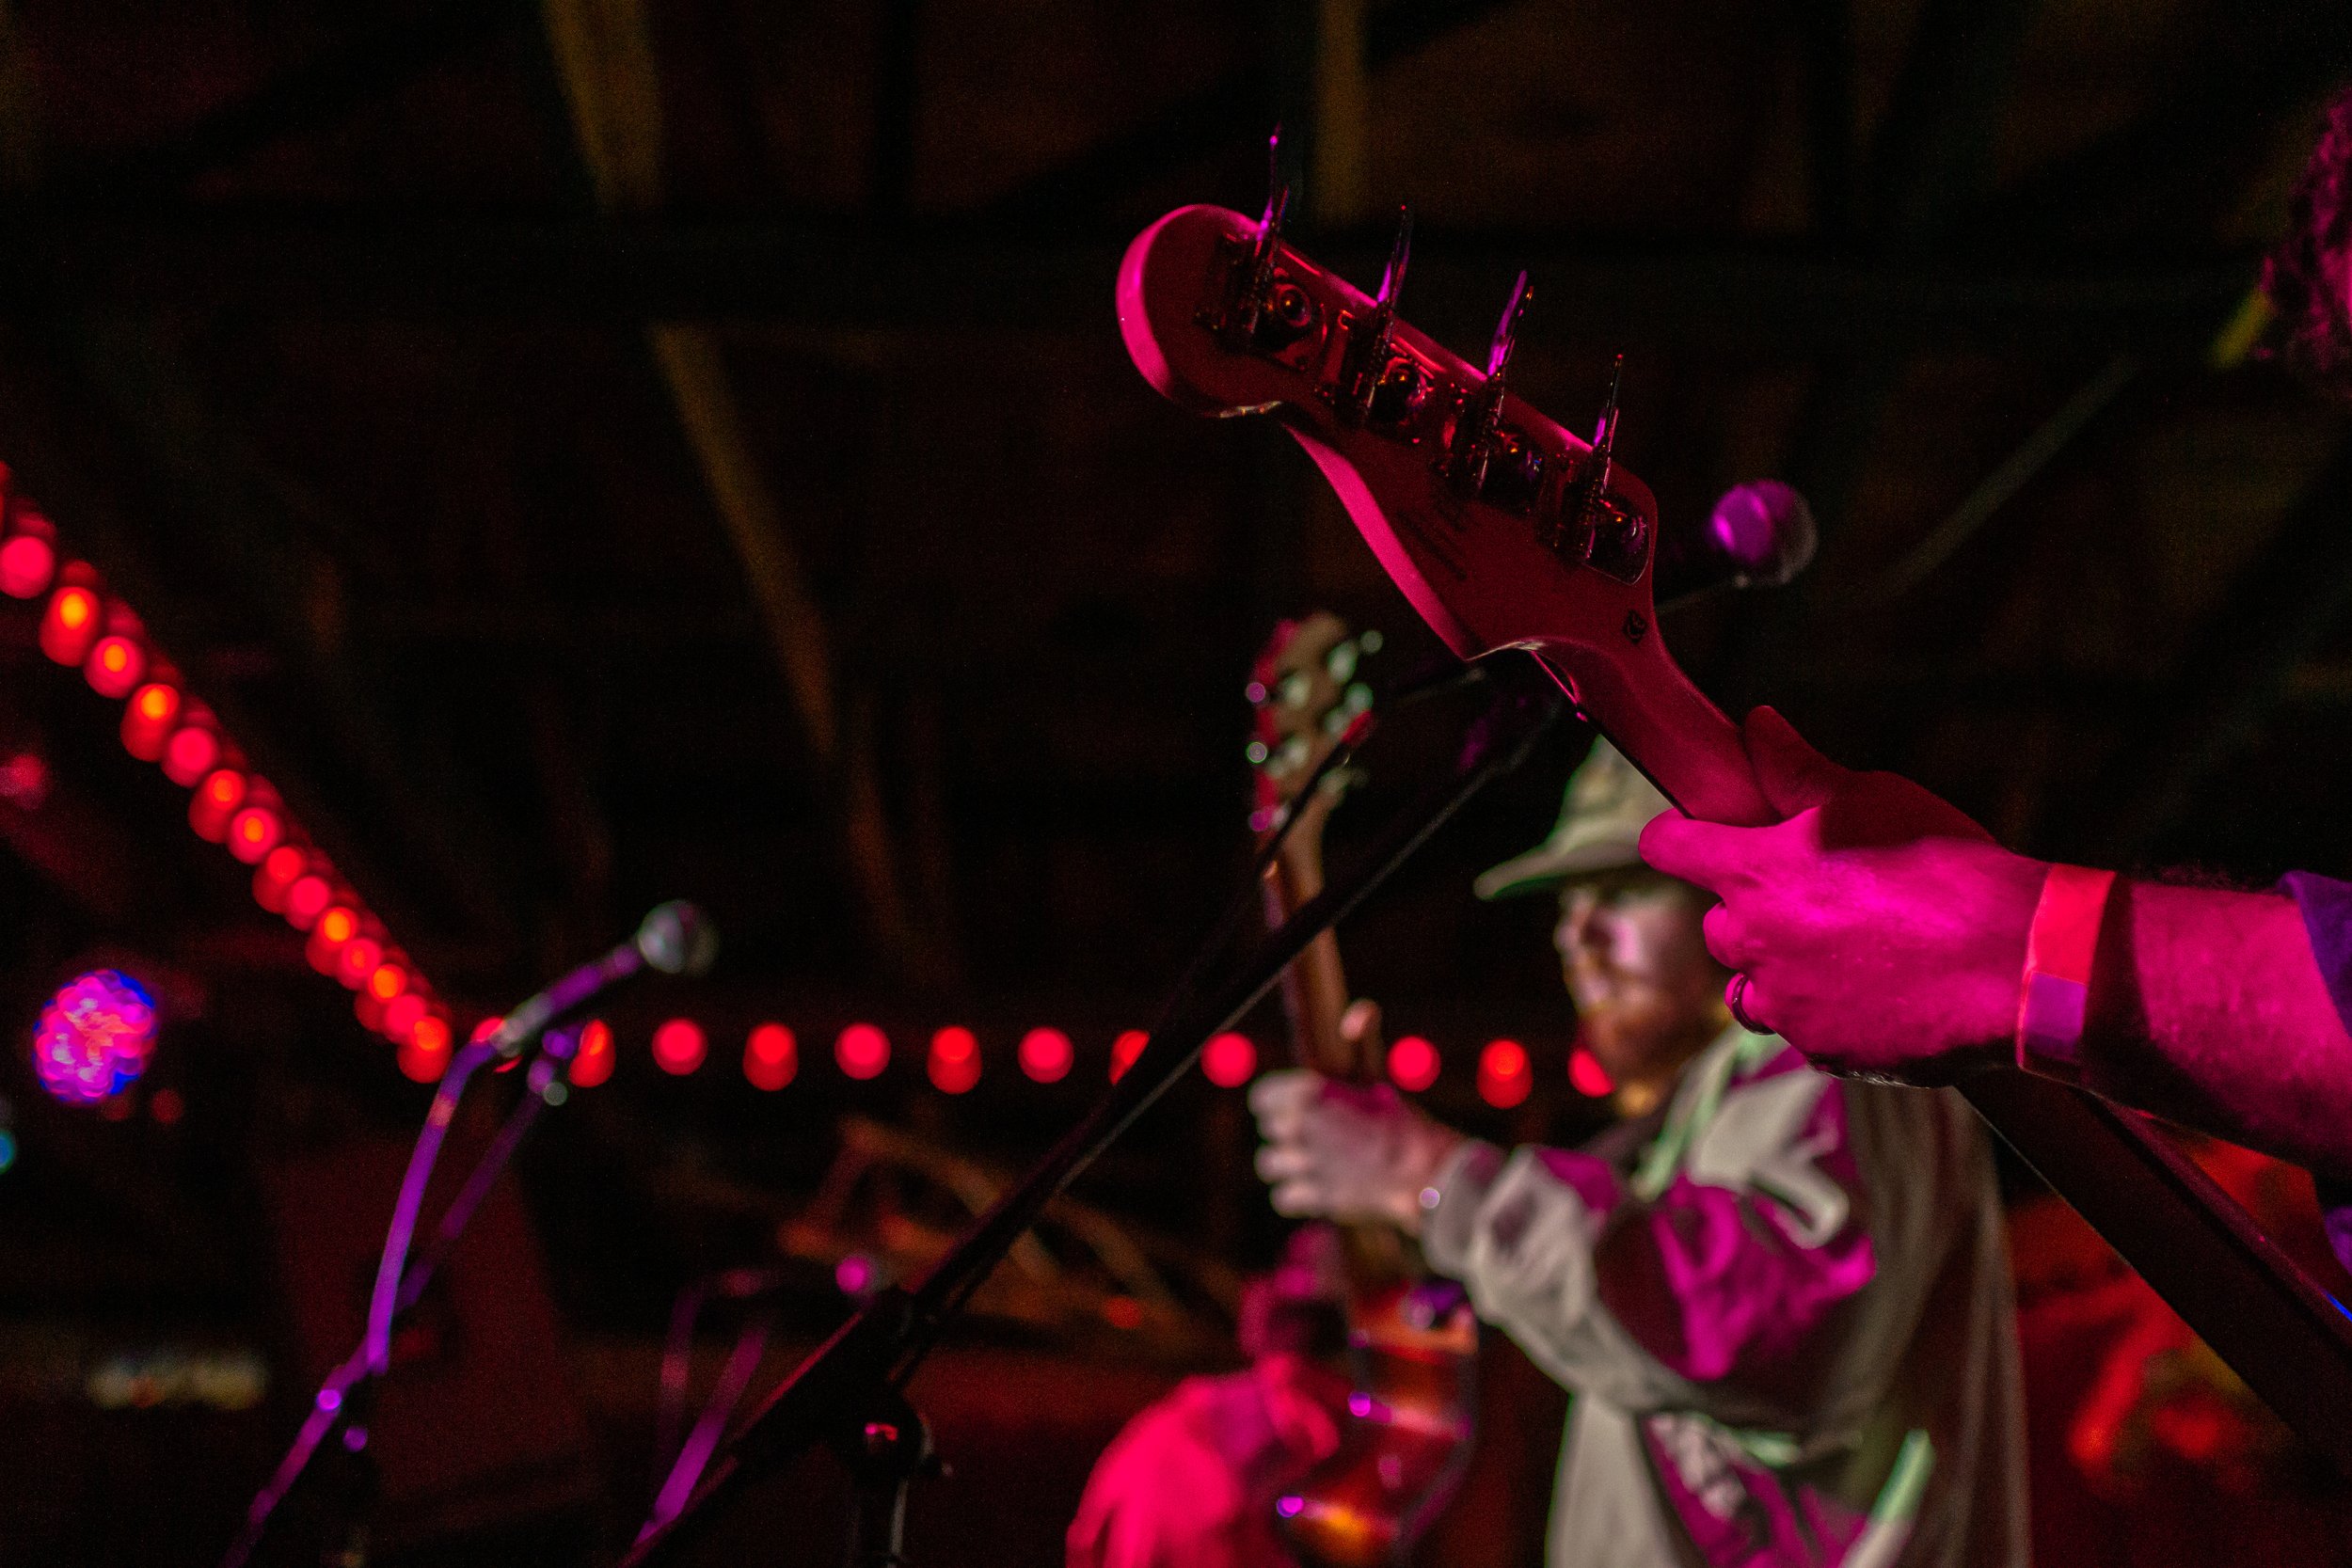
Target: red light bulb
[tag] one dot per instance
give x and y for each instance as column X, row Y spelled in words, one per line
column 1229, row 1060
column 26, row 561
column 861, row 1051
column 254, row 832
column 679, row 1046
column 1045, row 1056
column 277, row 874
column 357, row 961
column 148, row 718
column 307, row 899
column 215, row 803
column 1125, row 1049
column 337, row 925
column 1413, row 1064
column 1504, row 1079
column 770, row 1056
column 592, row 1060
column 115, row 665
column 388, row 981
column 191, row 754
column 955, row 1060
column 70, row 625
column 402, row 1015
column 425, row 1053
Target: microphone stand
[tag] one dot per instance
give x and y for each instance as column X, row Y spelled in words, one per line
column 342, row 1399
column 850, row 1392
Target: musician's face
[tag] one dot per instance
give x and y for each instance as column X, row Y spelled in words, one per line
column 1648, row 995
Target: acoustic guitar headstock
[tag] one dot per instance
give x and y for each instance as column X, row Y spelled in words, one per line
column 1503, row 529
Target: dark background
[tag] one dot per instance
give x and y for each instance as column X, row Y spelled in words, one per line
column 345, row 340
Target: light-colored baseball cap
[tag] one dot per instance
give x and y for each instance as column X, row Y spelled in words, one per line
column 1602, row 818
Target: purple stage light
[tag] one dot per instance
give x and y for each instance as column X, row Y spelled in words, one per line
column 94, row 1037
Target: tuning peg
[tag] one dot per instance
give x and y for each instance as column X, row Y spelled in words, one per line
column 1400, row 253
column 1507, row 329
column 1278, row 196
column 1605, row 434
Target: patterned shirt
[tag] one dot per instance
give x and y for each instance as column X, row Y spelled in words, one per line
column 1786, row 1319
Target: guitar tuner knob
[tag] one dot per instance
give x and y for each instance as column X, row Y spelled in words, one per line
column 1256, row 751
column 1341, row 662
column 1295, row 688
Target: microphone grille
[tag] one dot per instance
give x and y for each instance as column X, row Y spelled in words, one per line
column 676, row 938
column 1765, row 531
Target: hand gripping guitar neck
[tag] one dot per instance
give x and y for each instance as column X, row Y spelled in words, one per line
column 1504, row 530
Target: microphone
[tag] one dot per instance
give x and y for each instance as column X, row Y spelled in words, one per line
column 675, row 938
column 1760, row 535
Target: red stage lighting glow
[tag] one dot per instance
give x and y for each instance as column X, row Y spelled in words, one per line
column 1586, row 1076
column 277, row 874
column 1229, row 1060
column 307, row 899
column 147, row 720
column 254, row 832
column 1045, row 1056
column 357, row 963
column 679, row 1047
column 770, row 1056
column 592, row 1060
column 425, row 1053
column 388, row 981
column 955, row 1063
column 70, row 625
column 193, row 752
column 1125, row 1049
column 862, row 1051
column 215, row 802
column 26, row 561
column 1413, row 1064
column 402, row 1015
column 1504, row 1079
column 115, row 666
column 337, row 925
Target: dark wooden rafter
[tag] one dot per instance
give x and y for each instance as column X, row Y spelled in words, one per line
column 1236, row 108
column 604, row 60
column 369, row 63
column 1744, row 297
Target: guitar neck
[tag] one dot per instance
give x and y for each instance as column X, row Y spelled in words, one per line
column 1314, row 987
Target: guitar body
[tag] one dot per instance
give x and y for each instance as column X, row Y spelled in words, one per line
column 1412, row 1343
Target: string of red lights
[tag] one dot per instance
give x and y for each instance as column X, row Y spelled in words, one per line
column 86, row 626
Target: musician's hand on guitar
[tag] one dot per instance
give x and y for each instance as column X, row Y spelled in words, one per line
column 1878, row 929
column 1345, row 1152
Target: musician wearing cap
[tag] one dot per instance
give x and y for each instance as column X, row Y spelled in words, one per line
column 1780, row 1300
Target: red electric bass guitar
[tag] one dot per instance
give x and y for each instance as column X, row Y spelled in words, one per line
column 1412, row 1343
column 1506, row 531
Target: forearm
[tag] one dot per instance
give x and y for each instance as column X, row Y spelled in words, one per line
column 2208, row 1007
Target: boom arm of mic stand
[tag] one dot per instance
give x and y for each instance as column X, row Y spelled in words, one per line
column 872, row 1355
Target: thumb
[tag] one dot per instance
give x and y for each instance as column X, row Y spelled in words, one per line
column 1706, row 854
column 1794, row 776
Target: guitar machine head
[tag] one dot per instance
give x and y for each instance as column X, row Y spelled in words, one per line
column 1501, row 527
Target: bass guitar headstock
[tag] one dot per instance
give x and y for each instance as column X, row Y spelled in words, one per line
column 1503, row 529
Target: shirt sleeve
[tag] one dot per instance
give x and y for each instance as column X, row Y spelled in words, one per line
column 2326, row 906
column 1718, row 1294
